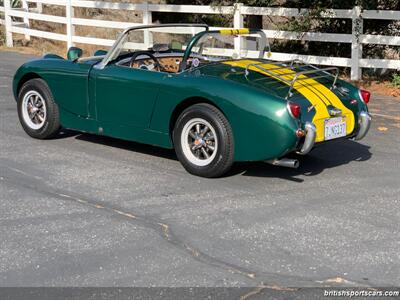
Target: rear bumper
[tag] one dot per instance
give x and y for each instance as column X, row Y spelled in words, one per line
column 309, row 139
column 364, row 122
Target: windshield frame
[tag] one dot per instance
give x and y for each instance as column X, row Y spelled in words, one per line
column 121, row 38
column 242, row 31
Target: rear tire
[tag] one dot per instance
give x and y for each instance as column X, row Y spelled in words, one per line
column 203, row 141
column 37, row 111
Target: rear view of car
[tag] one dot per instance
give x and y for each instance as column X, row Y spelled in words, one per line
column 216, row 97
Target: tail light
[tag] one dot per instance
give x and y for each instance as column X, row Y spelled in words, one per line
column 364, row 95
column 294, row 109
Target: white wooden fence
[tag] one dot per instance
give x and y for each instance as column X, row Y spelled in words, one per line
column 357, row 39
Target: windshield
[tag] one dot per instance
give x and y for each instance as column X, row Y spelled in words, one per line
column 177, row 47
column 156, row 39
column 230, row 44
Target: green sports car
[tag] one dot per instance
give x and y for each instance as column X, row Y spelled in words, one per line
column 215, row 96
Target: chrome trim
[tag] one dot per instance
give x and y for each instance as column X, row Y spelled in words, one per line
column 311, row 107
column 83, row 59
column 309, row 140
column 334, row 111
column 316, row 70
column 364, row 122
column 284, row 162
column 361, row 98
column 344, row 90
column 290, row 111
column 297, row 68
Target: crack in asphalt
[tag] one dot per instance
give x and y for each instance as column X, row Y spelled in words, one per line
column 261, row 288
column 150, row 222
column 165, row 232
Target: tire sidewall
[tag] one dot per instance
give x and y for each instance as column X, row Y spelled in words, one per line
column 40, row 87
column 213, row 169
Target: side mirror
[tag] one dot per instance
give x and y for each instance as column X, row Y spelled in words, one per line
column 100, row 53
column 74, row 53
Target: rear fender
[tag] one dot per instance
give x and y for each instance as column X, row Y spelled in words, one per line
column 261, row 124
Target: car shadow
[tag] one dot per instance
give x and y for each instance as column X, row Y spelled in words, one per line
column 326, row 156
column 128, row 145
column 65, row 133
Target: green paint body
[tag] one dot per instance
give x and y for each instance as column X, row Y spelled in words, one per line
column 140, row 105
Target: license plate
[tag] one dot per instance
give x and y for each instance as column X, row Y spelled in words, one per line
column 335, row 128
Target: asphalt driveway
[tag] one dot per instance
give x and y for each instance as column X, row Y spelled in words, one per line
column 83, row 210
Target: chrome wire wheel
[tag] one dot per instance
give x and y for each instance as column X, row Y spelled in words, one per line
column 199, row 142
column 34, row 110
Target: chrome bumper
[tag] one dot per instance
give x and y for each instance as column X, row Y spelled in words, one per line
column 309, row 139
column 364, row 122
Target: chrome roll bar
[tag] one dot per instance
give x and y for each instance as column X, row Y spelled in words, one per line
column 296, row 70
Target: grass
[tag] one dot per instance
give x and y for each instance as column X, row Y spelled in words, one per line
column 396, row 80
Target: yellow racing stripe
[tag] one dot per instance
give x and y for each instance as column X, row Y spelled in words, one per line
column 319, row 95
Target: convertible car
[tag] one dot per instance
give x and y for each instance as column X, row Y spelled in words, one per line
column 215, row 96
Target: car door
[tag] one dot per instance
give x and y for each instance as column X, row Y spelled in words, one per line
column 68, row 82
column 125, row 96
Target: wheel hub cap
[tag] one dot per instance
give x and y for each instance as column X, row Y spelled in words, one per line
column 199, row 142
column 33, row 110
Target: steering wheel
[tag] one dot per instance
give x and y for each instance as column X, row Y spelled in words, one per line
column 145, row 53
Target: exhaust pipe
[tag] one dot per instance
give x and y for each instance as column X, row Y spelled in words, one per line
column 284, row 162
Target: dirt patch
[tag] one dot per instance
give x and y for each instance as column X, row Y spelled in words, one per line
column 382, row 88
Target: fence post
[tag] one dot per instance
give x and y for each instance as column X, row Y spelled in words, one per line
column 147, row 20
column 39, row 7
column 26, row 19
column 238, row 23
column 69, row 13
column 356, row 46
column 8, row 23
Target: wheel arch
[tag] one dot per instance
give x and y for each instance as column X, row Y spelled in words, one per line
column 25, row 78
column 185, row 104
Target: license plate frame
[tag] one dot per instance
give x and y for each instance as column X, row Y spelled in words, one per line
column 334, row 128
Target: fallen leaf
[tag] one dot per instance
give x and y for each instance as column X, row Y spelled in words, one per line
column 381, row 128
column 336, row 280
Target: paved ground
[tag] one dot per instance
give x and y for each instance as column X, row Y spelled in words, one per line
column 82, row 210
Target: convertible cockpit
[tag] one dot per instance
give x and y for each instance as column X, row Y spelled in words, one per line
column 153, row 61
column 176, row 48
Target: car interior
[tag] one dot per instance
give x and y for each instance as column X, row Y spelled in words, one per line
column 160, row 57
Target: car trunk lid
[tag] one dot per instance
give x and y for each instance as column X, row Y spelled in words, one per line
column 319, row 102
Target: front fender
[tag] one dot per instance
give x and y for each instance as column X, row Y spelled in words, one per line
column 22, row 71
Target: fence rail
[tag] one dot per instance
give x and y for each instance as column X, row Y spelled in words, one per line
column 357, row 38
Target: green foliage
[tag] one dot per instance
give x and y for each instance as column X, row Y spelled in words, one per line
column 2, row 36
column 13, row 3
column 396, row 80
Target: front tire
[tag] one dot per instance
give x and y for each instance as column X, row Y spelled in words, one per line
column 203, row 141
column 37, row 111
